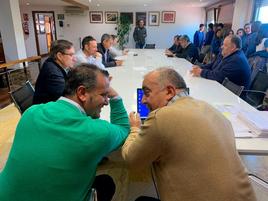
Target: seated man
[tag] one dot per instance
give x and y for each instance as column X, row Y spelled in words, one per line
column 51, row 79
column 58, row 145
column 89, row 53
column 233, row 65
column 175, row 47
column 189, row 51
column 249, row 42
column 114, row 51
column 189, row 144
column 103, row 48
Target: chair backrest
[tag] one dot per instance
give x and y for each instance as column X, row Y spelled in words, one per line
column 260, row 187
column 149, row 46
column 236, row 89
column 23, row 96
column 259, row 83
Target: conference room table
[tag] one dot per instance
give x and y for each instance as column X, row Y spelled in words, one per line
column 128, row 77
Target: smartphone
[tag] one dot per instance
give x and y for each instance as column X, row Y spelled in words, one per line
column 141, row 108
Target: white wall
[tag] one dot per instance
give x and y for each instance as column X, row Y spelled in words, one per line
column 226, row 14
column 30, row 38
column 76, row 26
column 187, row 21
column 11, row 30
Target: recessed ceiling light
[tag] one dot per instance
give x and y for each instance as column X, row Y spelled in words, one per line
column 27, row 4
column 145, row 4
column 98, row 5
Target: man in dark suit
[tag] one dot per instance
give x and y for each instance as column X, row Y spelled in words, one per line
column 188, row 50
column 51, row 79
column 233, row 64
column 103, row 48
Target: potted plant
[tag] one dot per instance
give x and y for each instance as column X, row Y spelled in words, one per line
column 123, row 29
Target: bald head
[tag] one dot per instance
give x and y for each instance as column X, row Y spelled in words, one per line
column 230, row 45
column 160, row 86
column 167, row 76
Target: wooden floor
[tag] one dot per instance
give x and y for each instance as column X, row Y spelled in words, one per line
column 4, row 97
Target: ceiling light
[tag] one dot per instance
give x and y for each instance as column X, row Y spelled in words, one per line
column 27, row 4
column 145, row 4
column 98, row 5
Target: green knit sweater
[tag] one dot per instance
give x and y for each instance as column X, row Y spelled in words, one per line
column 56, row 151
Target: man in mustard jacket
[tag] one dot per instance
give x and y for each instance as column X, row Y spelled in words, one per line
column 189, row 144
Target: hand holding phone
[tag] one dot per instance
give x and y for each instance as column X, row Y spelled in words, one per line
column 135, row 120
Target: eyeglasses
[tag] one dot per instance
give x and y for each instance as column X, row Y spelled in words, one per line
column 69, row 54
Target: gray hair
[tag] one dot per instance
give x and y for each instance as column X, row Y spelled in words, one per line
column 236, row 40
column 170, row 76
column 185, row 37
column 59, row 46
column 84, row 74
column 105, row 37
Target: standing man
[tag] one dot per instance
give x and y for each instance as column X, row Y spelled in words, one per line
column 199, row 37
column 249, row 45
column 89, row 53
column 103, row 48
column 233, row 65
column 189, row 144
column 58, row 145
column 140, row 34
column 51, row 79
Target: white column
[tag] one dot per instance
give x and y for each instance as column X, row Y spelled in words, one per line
column 11, row 30
column 242, row 13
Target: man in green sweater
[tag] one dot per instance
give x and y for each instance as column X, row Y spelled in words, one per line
column 58, row 145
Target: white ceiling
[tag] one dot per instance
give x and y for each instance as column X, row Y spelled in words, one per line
column 200, row 3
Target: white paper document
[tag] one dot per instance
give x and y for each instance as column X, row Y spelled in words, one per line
column 241, row 129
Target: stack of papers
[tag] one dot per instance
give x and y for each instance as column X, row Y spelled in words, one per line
column 241, row 129
column 257, row 121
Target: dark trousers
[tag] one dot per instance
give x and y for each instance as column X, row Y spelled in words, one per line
column 105, row 187
column 139, row 45
column 145, row 198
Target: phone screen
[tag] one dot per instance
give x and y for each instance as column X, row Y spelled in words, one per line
column 141, row 108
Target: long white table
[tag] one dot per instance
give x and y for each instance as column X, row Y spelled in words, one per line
column 127, row 78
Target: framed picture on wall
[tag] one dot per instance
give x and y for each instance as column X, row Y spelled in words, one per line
column 111, row 17
column 168, row 16
column 141, row 16
column 128, row 16
column 95, row 16
column 153, row 18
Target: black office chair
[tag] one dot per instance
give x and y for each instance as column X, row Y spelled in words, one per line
column 260, row 187
column 236, row 89
column 23, row 96
column 149, row 46
column 258, row 90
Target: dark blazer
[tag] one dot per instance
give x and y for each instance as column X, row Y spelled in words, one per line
column 189, row 53
column 175, row 48
column 249, row 44
column 110, row 62
column 50, row 82
column 235, row 67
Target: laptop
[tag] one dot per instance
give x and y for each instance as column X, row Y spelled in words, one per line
column 141, row 108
